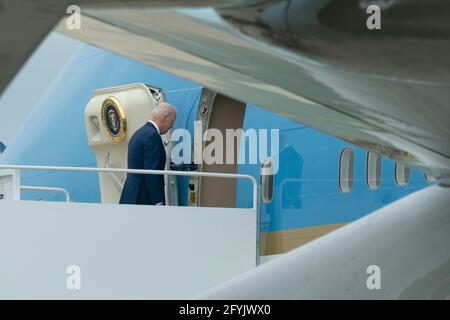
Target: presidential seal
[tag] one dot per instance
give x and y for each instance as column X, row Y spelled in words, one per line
column 113, row 120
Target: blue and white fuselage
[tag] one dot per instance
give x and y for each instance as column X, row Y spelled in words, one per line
column 308, row 201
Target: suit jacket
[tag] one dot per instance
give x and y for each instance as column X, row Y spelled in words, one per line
column 145, row 151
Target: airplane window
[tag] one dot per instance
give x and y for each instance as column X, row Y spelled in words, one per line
column 402, row 174
column 267, row 181
column 346, row 170
column 373, row 170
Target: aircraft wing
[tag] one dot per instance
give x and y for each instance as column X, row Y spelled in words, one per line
column 23, row 25
column 313, row 61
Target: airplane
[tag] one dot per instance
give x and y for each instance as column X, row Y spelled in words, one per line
column 300, row 91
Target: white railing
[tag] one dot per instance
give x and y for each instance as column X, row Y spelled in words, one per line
column 48, row 189
column 158, row 172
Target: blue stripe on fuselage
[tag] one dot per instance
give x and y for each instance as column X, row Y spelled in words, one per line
column 306, row 191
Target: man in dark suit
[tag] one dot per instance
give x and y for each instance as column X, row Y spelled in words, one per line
column 146, row 151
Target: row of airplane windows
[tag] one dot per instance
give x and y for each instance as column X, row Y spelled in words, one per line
column 373, row 172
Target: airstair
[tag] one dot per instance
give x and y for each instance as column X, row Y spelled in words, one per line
column 68, row 250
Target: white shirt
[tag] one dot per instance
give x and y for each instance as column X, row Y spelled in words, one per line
column 157, row 129
column 155, row 125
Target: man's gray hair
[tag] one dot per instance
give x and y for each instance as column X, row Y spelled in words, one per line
column 163, row 109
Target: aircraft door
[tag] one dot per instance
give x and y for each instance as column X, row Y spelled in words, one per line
column 220, row 112
column 111, row 116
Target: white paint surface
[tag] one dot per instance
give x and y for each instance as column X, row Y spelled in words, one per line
column 124, row 252
column 409, row 240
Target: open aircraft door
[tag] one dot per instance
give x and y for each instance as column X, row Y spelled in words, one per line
column 111, row 117
column 219, row 112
